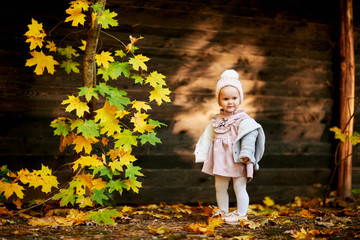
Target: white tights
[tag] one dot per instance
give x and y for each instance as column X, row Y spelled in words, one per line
column 222, row 196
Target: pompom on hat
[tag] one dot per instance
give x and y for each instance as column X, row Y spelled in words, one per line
column 229, row 78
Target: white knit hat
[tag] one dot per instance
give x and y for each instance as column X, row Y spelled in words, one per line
column 229, row 78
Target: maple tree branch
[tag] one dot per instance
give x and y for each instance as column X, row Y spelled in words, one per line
column 114, row 38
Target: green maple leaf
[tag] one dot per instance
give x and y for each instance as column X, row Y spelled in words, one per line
column 103, row 216
column 121, row 68
column 105, row 72
column 74, row 123
column 66, row 195
column 156, row 123
column 88, row 129
column 117, row 98
column 61, row 127
column 97, row 7
column 132, row 171
column 68, row 51
column 88, row 92
column 104, row 89
column 120, row 53
column 117, row 185
column 149, row 137
column 138, row 78
column 139, row 62
column 70, row 65
column 106, row 19
column 99, row 196
column 125, row 139
column 104, row 171
column 355, row 138
column 115, row 70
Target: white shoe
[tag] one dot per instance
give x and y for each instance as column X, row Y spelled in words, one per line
column 233, row 218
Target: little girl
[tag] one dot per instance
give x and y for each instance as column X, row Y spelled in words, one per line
column 231, row 147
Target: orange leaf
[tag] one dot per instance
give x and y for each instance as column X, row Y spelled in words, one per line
column 306, row 214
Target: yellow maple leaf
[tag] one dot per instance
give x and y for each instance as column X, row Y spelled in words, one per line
column 82, row 143
column 139, row 122
column 83, row 47
column 138, row 61
column 76, row 16
column 106, row 113
column 76, row 104
column 41, row 61
column 268, row 201
column 103, row 59
column 208, row 228
column 127, row 209
column 86, row 161
column 157, row 231
column 35, row 35
column 80, row 4
column 121, row 113
column 116, row 165
column 249, row 224
column 160, row 94
column 49, row 181
column 155, row 79
column 110, row 127
column 138, row 105
column 302, row 234
column 24, row 176
column 133, row 185
column 81, row 182
column 11, row 188
column 43, row 178
column 84, row 202
column 51, row 46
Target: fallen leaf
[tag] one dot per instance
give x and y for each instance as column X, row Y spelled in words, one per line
column 325, row 224
column 249, row 224
column 306, row 214
column 268, row 202
column 244, row 237
column 157, row 231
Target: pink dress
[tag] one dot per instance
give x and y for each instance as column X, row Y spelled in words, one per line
column 220, row 160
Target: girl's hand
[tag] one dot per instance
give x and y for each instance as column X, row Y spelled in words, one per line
column 244, row 159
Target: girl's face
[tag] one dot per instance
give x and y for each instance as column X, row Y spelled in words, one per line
column 229, row 99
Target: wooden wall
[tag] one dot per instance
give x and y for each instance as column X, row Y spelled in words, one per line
column 284, row 51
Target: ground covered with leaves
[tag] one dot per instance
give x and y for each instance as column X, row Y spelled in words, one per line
column 300, row 219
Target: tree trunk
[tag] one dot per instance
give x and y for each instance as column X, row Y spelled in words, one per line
column 347, row 94
column 89, row 65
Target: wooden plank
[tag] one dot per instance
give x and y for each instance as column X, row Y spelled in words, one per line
column 212, row 21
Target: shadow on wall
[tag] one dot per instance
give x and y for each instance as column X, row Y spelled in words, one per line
column 285, row 69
